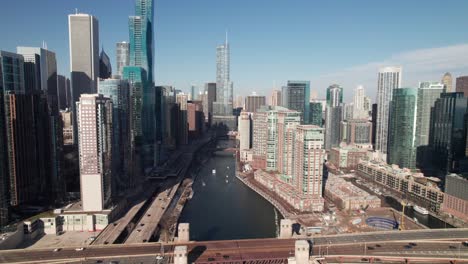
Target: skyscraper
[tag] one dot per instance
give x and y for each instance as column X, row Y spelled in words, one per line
column 297, row 95
column 447, row 131
column 402, row 128
column 254, row 102
column 12, row 70
column 136, row 77
column 287, row 122
column 389, row 78
column 118, row 91
column 447, row 81
column 210, row 88
column 462, row 85
column 428, row 93
column 141, row 36
column 122, row 56
column 333, row 116
column 83, row 32
column 94, row 113
column 224, row 87
column 361, row 108
column 275, row 99
column 64, row 92
column 244, row 131
column 105, row 67
column 316, row 114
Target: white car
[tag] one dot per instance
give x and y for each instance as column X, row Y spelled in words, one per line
column 79, row 249
column 57, row 249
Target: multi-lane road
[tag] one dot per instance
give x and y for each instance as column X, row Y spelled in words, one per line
column 442, row 245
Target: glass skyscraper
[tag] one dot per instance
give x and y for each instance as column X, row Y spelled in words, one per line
column 224, row 87
column 402, row 128
column 298, row 97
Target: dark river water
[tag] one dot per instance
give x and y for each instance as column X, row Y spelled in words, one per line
column 222, row 207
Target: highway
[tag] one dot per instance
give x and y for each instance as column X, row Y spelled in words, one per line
column 366, row 246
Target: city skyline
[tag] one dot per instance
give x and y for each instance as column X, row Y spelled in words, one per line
column 367, row 46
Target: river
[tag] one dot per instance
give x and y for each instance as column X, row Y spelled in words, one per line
column 222, row 207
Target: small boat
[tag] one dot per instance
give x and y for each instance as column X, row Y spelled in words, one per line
column 213, row 171
column 227, row 181
column 203, row 183
column 228, row 167
column 227, row 176
column 421, row 210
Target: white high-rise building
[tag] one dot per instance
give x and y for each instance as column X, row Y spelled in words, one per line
column 360, row 110
column 244, row 131
column 224, row 86
column 389, row 79
column 83, row 32
column 95, row 150
column 122, row 56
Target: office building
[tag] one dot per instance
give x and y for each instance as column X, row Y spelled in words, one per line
column 195, row 119
column 122, row 56
column 83, row 32
column 210, row 88
column 456, row 196
column 428, row 93
column 275, row 99
column 402, row 128
column 224, row 87
column 389, row 78
column 244, row 131
column 462, row 85
column 136, row 77
column 296, row 95
column 67, row 122
column 118, row 91
column 105, row 67
column 63, row 92
column 447, row 80
column 260, row 136
column 95, row 151
column 254, row 102
column 346, row 157
column 12, row 70
column 361, row 104
column 348, row 111
column 374, row 124
column 447, row 131
column 333, row 116
column 316, row 114
column 357, row 132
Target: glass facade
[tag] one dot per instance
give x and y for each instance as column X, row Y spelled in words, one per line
column 402, row 128
column 316, row 114
column 298, row 96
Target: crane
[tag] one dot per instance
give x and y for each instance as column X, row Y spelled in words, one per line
column 402, row 220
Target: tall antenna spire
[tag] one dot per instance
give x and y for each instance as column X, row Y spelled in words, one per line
column 226, row 37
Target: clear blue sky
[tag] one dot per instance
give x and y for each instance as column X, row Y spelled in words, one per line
column 271, row 40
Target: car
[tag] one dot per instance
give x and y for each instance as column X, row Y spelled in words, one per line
column 377, row 245
column 465, row 243
column 407, row 246
column 412, row 244
column 370, row 248
column 452, row 247
column 57, row 249
column 79, row 249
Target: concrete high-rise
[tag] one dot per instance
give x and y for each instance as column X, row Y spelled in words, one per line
column 447, row 80
column 447, row 131
column 462, row 85
column 287, row 122
column 244, row 131
column 296, row 97
column 94, row 113
column 361, row 106
column 275, row 99
column 309, row 156
column 260, row 133
column 105, row 67
column 122, row 56
column 254, row 102
column 118, row 91
column 333, row 116
column 224, row 87
column 389, row 78
column 428, row 93
column 83, row 30
column 402, row 128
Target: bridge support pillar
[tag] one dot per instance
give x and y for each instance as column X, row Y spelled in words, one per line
column 301, row 253
column 180, row 255
column 285, row 228
column 183, row 233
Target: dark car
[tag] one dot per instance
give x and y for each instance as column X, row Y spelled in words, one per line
column 370, row 248
column 412, row 244
column 407, row 246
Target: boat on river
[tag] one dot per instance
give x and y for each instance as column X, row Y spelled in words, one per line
column 421, row 210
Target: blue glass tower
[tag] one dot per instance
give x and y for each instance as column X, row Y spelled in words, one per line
column 297, row 98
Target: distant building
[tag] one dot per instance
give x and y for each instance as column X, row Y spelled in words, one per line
column 333, row 116
column 210, row 88
column 361, row 104
column 224, row 88
column 447, row 131
column 254, row 102
column 389, row 78
column 122, row 56
column 357, row 132
column 428, row 93
column 105, row 67
column 244, row 131
column 296, row 96
column 95, row 151
column 84, row 58
column 316, row 114
column 182, row 126
column 64, row 92
column 456, row 196
column 462, row 85
column 374, row 123
column 447, row 81
column 346, row 158
column 287, row 122
column 259, row 138
column 12, row 69
column 67, row 121
column 195, row 119
column 275, row 99
column 402, row 128
column 347, row 196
